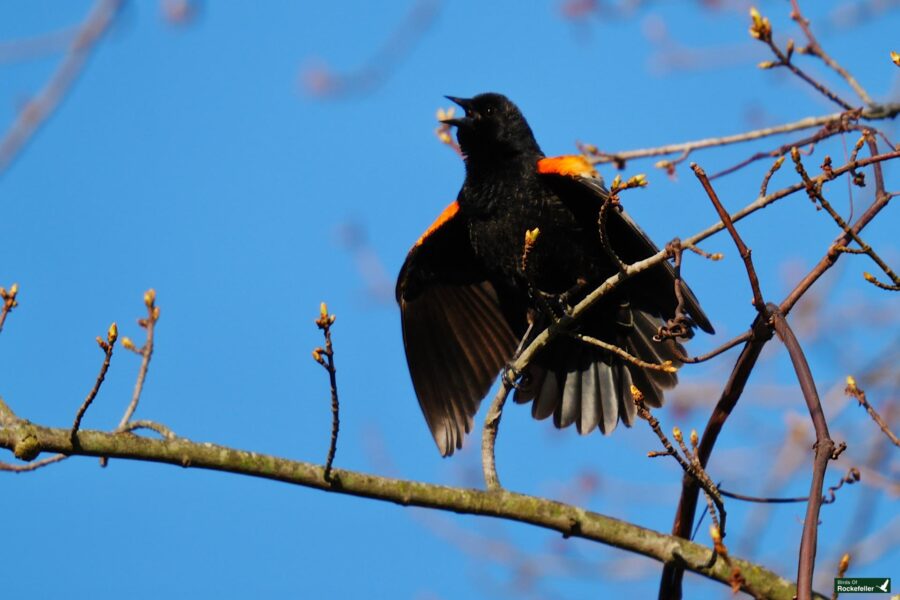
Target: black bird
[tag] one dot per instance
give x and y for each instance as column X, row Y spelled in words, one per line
column 467, row 297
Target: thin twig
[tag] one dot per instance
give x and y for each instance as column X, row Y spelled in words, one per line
column 9, row 302
column 325, row 357
column 717, row 351
column 814, row 49
column 151, row 425
column 883, row 111
column 761, row 29
column 665, row 367
column 673, row 573
column 714, row 256
column 743, row 250
column 833, row 254
column 38, row 109
column 107, row 346
column 814, row 191
column 830, row 129
column 33, row 465
column 852, row 476
column 146, row 352
column 679, row 326
column 763, row 188
column 38, row 46
column 609, row 203
column 860, row 395
column 689, row 463
column 843, row 565
column 322, row 82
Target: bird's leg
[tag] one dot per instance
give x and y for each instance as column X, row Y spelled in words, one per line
column 511, row 374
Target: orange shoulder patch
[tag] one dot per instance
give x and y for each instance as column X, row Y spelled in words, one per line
column 442, row 220
column 570, row 165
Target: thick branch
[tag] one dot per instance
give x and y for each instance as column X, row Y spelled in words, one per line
column 824, row 451
column 568, row 520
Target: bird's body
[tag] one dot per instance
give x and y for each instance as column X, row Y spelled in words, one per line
column 467, row 296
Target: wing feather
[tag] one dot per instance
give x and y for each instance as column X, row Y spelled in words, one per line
column 456, row 330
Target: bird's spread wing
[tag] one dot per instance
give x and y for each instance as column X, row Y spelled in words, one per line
column 454, row 329
column 579, row 184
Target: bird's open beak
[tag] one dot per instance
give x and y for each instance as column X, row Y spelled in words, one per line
column 465, row 104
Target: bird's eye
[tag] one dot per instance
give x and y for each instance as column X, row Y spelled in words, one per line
column 489, row 111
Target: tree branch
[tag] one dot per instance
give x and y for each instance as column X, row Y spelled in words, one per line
column 874, row 112
column 37, row 110
column 825, row 451
column 28, row 439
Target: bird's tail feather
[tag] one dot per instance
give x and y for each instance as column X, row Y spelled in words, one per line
column 591, row 387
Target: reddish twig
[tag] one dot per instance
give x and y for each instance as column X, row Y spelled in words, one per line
column 824, row 449
column 744, row 251
column 325, row 357
column 107, row 346
column 9, row 302
column 814, row 191
column 833, row 254
column 830, row 129
column 860, row 395
column 714, row 353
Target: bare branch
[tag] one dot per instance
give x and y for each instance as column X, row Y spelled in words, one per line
column 814, row 191
column 9, row 302
column 107, row 346
column 34, row 465
column 556, row 516
column 38, row 109
column 813, row 48
column 146, row 352
column 151, row 425
column 325, row 357
column 690, row 464
column 884, row 111
column 489, row 435
column 825, row 449
column 743, row 250
column 860, row 395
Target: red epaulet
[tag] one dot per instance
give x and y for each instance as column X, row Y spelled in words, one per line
column 569, row 165
column 447, row 214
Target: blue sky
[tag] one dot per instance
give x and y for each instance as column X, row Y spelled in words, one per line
column 192, row 160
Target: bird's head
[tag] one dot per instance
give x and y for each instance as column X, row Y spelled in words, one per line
column 493, row 128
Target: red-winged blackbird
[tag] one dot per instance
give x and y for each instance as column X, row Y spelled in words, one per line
column 467, row 297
